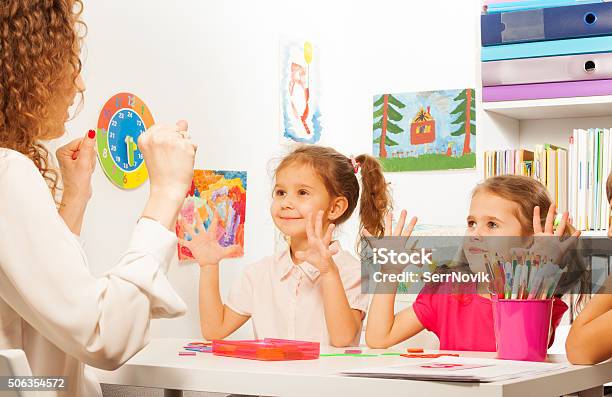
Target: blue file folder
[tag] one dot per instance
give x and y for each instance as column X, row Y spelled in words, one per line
column 589, row 45
column 546, row 24
column 534, row 4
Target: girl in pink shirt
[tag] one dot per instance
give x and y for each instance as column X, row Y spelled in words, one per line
column 506, row 205
column 311, row 291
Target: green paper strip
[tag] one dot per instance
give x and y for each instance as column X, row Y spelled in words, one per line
column 347, row 355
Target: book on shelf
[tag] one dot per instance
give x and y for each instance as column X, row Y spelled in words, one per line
column 590, row 158
column 550, row 164
column 499, row 162
column 575, row 177
column 547, row 164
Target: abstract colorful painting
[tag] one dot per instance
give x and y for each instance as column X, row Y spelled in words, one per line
column 220, row 191
column 299, row 92
column 420, row 131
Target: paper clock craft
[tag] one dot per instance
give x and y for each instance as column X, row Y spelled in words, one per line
column 122, row 119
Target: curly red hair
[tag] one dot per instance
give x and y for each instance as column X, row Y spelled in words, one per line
column 39, row 67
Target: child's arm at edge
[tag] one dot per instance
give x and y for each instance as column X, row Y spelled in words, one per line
column 343, row 322
column 385, row 328
column 590, row 340
column 217, row 321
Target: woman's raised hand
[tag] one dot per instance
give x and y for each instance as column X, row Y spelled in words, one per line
column 170, row 156
column 77, row 161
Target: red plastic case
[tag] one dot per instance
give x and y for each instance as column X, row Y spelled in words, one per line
column 267, row 349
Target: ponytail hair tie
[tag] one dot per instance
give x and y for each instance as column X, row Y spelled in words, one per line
column 355, row 164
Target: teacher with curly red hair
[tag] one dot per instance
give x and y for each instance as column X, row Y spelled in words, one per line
column 51, row 306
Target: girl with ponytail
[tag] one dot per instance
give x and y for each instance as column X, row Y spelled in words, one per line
column 312, row 290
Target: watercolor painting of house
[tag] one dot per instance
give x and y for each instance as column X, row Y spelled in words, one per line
column 421, row 131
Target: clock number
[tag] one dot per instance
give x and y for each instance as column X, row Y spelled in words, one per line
column 120, row 115
column 139, row 123
column 117, row 158
column 124, row 179
column 111, row 135
column 139, row 156
column 104, row 153
column 113, row 148
column 114, row 123
column 131, row 100
column 129, row 115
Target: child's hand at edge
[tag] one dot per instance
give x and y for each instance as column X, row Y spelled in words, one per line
column 204, row 245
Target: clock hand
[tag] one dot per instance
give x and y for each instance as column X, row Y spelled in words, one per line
column 131, row 148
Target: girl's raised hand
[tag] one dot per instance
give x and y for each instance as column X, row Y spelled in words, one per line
column 204, row 245
column 548, row 241
column 318, row 252
column 400, row 231
column 398, row 244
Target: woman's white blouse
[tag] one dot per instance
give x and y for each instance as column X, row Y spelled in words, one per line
column 52, row 307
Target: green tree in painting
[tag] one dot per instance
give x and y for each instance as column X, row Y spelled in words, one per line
column 466, row 119
column 384, row 115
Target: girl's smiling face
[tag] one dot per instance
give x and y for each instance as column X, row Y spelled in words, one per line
column 491, row 223
column 298, row 192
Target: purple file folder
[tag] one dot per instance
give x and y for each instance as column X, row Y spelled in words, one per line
column 566, row 89
column 547, row 70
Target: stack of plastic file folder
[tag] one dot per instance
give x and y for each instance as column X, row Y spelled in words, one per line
column 542, row 49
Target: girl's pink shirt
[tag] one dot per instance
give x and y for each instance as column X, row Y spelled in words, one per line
column 465, row 322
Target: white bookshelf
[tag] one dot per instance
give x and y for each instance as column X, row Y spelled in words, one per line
column 537, row 109
column 592, row 233
column 526, row 123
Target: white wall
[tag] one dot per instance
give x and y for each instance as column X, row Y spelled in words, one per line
column 215, row 63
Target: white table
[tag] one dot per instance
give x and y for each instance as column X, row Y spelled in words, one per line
column 159, row 366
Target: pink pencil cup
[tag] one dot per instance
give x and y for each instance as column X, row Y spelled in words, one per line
column 521, row 328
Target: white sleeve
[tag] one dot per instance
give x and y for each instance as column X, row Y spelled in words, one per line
column 44, row 275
